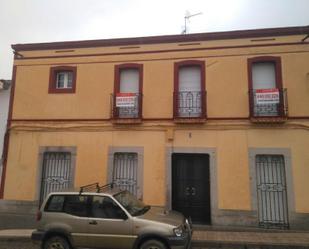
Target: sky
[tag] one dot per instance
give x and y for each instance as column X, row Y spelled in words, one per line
column 32, row 21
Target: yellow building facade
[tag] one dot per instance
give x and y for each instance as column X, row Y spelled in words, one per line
column 214, row 125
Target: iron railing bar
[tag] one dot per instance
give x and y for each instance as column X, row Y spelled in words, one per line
column 264, row 195
column 189, row 103
column 285, row 192
column 42, row 179
column 277, row 194
column 58, row 159
column 127, row 112
column 282, row 199
column 273, row 203
column 268, row 165
column 260, row 110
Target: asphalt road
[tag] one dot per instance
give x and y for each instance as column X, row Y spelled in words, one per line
column 17, row 245
column 29, row 245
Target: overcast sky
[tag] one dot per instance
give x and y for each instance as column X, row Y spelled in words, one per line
column 30, row 21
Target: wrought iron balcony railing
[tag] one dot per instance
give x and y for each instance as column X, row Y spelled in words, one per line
column 268, row 103
column 127, row 109
column 190, row 104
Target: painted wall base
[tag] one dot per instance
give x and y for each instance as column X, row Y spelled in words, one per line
column 222, row 217
column 299, row 221
column 18, row 214
column 21, row 214
column 234, row 218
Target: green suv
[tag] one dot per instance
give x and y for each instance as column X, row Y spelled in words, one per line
column 106, row 217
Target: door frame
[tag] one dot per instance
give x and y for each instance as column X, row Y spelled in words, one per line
column 199, row 215
column 286, row 153
column 140, row 165
column 212, row 175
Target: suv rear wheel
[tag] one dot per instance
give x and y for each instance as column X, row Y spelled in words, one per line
column 153, row 244
column 56, row 242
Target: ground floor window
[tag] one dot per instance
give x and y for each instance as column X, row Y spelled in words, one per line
column 56, row 173
column 271, row 191
column 125, row 171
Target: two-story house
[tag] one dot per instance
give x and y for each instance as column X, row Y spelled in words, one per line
column 215, row 125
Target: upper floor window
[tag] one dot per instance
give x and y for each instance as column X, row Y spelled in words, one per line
column 267, row 97
column 189, row 86
column 264, row 75
column 62, row 79
column 127, row 98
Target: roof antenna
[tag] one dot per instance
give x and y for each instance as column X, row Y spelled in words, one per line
column 187, row 17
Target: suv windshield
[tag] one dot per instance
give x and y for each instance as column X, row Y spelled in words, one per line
column 134, row 206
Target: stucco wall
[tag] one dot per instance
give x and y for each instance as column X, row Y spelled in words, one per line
column 91, row 160
column 233, row 179
column 226, row 80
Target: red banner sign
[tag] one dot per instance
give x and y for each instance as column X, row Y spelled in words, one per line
column 267, row 96
column 126, row 99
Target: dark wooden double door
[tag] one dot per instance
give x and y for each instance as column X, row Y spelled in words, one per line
column 191, row 186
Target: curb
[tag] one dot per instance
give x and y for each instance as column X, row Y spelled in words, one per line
column 18, row 235
column 15, row 239
column 246, row 245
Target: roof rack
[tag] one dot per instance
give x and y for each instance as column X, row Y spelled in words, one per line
column 106, row 186
column 90, row 187
column 95, row 187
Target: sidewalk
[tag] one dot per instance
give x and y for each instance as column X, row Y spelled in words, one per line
column 252, row 238
column 214, row 239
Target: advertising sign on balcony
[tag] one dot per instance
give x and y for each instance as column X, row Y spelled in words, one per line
column 125, row 99
column 267, row 96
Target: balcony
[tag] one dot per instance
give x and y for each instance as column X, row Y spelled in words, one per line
column 190, row 106
column 126, row 108
column 268, row 105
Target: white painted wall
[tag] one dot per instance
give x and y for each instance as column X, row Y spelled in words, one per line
column 4, row 107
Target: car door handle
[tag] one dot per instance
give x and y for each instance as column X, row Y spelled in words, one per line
column 93, row 222
column 187, row 190
column 193, row 192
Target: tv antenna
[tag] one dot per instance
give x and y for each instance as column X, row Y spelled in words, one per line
column 187, row 17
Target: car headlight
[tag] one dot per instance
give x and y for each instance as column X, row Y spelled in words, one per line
column 178, row 231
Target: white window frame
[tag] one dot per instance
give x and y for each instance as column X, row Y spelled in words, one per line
column 67, row 82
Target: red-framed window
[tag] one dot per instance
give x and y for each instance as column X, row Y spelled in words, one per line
column 267, row 98
column 189, row 89
column 128, row 91
column 62, row 79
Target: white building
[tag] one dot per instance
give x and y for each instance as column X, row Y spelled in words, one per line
column 5, row 87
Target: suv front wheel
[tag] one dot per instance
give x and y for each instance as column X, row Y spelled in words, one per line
column 153, row 244
column 56, row 242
